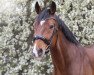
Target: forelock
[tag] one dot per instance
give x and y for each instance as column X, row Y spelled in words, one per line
column 43, row 15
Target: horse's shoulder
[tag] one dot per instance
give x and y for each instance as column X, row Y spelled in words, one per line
column 90, row 52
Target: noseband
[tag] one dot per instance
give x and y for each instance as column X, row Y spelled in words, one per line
column 37, row 37
column 45, row 40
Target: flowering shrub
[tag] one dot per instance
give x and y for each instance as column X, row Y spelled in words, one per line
column 16, row 31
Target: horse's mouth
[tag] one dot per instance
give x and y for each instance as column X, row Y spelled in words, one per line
column 42, row 57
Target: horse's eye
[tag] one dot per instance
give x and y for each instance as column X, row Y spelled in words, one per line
column 51, row 26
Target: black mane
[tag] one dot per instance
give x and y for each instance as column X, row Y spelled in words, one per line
column 68, row 34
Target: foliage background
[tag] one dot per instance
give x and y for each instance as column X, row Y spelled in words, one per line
column 16, row 31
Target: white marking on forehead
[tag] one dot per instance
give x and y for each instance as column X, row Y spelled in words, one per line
column 42, row 22
column 35, row 50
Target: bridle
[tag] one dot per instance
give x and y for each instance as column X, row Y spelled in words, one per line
column 45, row 40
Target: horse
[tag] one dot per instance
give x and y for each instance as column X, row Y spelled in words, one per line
column 52, row 35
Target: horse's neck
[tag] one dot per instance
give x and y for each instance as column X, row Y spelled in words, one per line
column 66, row 56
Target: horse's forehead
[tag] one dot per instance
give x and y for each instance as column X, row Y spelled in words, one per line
column 42, row 22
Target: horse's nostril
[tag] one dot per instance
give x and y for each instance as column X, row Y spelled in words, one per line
column 40, row 51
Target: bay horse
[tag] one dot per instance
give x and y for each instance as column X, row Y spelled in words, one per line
column 69, row 57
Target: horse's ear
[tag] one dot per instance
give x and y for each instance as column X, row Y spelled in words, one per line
column 37, row 8
column 52, row 8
